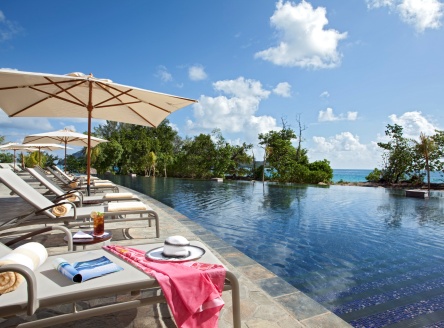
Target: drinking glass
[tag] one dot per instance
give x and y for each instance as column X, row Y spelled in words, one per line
column 99, row 225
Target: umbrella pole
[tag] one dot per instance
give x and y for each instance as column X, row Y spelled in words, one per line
column 14, row 161
column 65, row 155
column 88, row 152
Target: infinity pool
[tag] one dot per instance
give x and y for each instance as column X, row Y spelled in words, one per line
column 373, row 257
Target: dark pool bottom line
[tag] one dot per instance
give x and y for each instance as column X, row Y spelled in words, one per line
column 401, row 313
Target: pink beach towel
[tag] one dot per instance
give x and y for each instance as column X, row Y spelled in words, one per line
column 192, row 289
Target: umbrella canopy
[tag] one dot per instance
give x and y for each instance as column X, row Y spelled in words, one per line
column 78, row 95
column 47, row 147
column 63, row 137
column 16, row 146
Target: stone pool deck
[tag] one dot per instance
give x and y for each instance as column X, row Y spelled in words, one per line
column 266, row 300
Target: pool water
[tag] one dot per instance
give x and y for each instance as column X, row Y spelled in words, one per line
column 373, row 257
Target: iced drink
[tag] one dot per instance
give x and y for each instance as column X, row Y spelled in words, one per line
column 99, row 224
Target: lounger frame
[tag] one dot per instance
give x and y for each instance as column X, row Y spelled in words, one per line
column 47, row 288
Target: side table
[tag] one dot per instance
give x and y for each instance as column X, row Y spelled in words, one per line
column 95, row 239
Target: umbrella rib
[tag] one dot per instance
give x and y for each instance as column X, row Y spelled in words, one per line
column 50, row 95
column 127, row 92
column 66, row 90
column 38, row 84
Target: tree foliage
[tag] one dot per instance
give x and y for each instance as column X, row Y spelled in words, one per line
column 398, row 157
column 160, row 151
column 287, row 163
column 408, row 159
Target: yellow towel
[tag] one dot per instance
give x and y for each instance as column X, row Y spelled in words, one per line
column 118, row 195
column 31, row 255
column 61, row 210
column 126, row 206
column 73, row 184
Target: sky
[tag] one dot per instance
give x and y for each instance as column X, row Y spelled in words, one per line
column 342, row 69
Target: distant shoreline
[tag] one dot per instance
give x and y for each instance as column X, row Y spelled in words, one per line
column 402, row 185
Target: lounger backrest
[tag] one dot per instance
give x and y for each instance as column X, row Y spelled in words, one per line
column 58, row 175
column 46, row 182
column 25, row 191
column 55, row 167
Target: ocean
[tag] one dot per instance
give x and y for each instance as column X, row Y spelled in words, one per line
column 351, row 175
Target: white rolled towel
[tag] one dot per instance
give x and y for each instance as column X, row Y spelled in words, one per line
column 126, row 206
column 104, row 184
column 74, row 197
column 118, row 195
column 31, row 255
column 61, row 209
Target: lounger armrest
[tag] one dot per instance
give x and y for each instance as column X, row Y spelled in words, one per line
column 43, row 230
column 31, row 283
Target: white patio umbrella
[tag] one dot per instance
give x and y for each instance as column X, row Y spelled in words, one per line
column 16, row 146
column 25, row 94
column 63, row 137
column 47, row 147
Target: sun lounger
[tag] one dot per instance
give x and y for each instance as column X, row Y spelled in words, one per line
column 73, row 183
column 62, row 194
column 44, row 208
column 70, row 177
column 46, row 287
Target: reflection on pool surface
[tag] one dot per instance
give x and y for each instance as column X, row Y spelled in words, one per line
column 373, row 257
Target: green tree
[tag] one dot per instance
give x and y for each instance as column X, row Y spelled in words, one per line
column 427, row 155
column 106, row 155
column 374, row 176
column 320, row 171
column 51, row 160
column 150, row 166
column 398, row 156
column 281, row 155
column 6, row 157
column 75, row 164
column 32, row 159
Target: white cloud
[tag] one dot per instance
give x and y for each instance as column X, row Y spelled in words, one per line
column 345, row 151
column 174, row 126
column 23, row 123
column 242, row 88
column 325, row 94
column 70, row 127
column 329, row 116
column 302, row 39
column 197, row 73
column 234, row 112
column 352, row 116
column 413, row 124
column 379, row 3
column 283, row 89
column 421, row 14
column 8, row 29
column 163, row 74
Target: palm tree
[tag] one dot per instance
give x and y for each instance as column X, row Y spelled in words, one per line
column 425, row 148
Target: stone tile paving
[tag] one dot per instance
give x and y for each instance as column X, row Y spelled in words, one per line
column 267, row 301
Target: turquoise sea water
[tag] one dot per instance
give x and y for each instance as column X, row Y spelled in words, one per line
column 370, row 255
column 350, row 175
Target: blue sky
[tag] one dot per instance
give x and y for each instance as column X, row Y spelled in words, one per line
column 345, row 68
